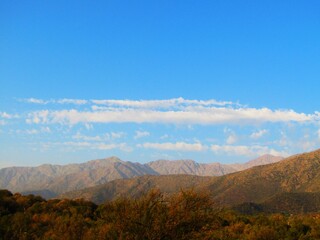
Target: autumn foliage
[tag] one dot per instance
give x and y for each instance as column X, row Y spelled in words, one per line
column 185, row 215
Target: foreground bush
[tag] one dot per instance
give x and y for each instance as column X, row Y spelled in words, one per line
column 185, row 215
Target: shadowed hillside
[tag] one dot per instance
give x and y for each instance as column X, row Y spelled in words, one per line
column 136, row 187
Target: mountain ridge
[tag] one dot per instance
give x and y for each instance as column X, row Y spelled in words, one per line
column 273, row 187
column 56, row 179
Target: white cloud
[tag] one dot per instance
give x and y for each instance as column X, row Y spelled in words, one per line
column 31, row 131
column 34, row 131
column 164, row 136
column 72, row 101
column 39, row 117
column 307, row 145
column 241, row 150
column 45, row 130
column 231, row 136
column 83, row 145
column 53, row 101
column 122, row 146
column 178, row 146
column 116, row 135
column 6, row 115
column 189, row 115
column 35, row 100
column 104, row 137
column 284, row 141
column 168, row 103
column 259, row 134
column 232, row 139
column 141, row 134
column 88, row 126
column 79, row 136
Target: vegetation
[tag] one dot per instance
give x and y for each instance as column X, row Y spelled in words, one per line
column 185, row 215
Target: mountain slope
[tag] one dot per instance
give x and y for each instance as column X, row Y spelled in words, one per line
column 263, row 160
column 288, row 202
column 299, row 173
column 137, row 186
column 296, row 174
column 166, row 167
column 50, row 180
column 58, row 179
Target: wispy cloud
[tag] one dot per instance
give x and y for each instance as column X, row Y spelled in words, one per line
column 87, row 145
column 177, row 146
column 35, row 101
column 79, row 136
column 54, row 101
column 72, row 101
column 231, row 136
column 168, row 103
column 249, row 151
column 172, row 111
column 141, row 134
column 258, row 134
column 6, row 115
column 205, row 116
column 115, row 135
column 104, row 137
column 34, row 131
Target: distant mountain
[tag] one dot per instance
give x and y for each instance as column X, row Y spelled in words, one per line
column 49, row 180
column 55, row 179
column 263, row 160
column 290, row 186
column 166, row 167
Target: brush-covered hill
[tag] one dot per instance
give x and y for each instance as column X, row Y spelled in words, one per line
column 136, row 187
column 288, row 202
column 49, row 180
column 299, row 173
column 295, row 176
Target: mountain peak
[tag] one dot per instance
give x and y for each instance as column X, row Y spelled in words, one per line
column 112, row 159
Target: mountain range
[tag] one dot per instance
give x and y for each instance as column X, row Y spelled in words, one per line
column 291, row 185
column 51, row 180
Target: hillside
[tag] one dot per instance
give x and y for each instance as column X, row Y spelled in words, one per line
column 262, row 184
column 263, row 160
column 288, row 202
column 299, row 173
column 165, row 167
column 50, row 180
column 136, row 187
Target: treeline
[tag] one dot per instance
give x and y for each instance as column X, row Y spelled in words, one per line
column 185, row 215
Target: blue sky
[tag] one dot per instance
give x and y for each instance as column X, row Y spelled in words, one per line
column 209, row 80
